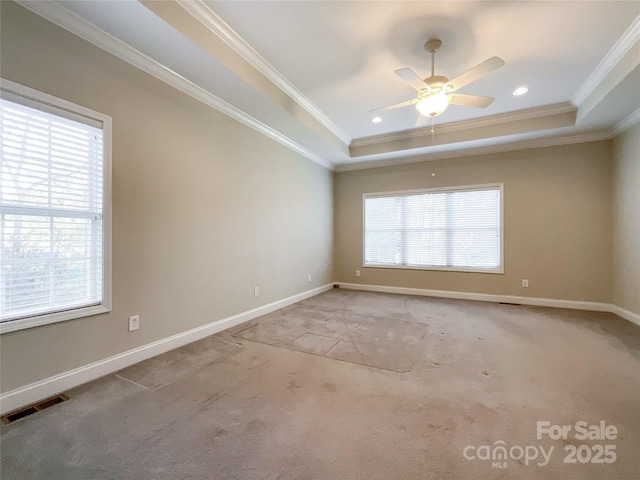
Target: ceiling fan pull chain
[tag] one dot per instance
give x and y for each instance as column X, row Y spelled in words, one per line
column 433, row 131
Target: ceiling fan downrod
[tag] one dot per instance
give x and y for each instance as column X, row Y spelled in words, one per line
column 432, row 47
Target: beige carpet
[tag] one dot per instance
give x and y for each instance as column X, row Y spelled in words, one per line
column 353, row 385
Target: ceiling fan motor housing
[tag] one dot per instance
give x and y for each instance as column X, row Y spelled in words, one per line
column 435, row 83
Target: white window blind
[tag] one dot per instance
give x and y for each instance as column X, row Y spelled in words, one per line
column 452, row 229
column 51, row 210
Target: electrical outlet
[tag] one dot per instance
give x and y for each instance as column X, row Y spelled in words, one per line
column 357, row 273
column 256, row 291
column 309, row 277
column 525, row 283
column 134, row 323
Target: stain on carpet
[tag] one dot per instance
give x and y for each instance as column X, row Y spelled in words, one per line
column 171, row 366
column 382, row 343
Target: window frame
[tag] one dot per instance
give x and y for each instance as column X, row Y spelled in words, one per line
column 51, row 104
column 460, row 188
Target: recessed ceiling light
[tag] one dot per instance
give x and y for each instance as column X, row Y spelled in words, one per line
column 376, row 119
column 520, row 91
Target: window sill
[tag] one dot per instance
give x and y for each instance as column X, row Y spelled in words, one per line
column 436, row 269
column 46, row 319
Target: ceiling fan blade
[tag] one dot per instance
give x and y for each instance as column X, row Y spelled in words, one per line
column 411, row 78
column 474, row 74
column 395, row 105
column 471, row 100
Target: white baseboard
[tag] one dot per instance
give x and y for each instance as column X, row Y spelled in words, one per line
column 485, row 297
column 51, row 386
column 626, row 314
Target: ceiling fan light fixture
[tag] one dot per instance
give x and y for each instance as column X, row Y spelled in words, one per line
column 376, row 119
column 520, row 91
column 433, row 105
column 435, row 93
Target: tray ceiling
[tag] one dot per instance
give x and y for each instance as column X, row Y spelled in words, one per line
column 307, row 73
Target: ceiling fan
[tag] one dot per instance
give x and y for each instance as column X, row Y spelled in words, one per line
column 436, row 92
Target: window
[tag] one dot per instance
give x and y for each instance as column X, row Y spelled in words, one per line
column 54, row 209
column 440, row 229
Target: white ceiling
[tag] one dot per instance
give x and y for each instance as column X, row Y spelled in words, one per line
column 342, row 55
column 308, row 72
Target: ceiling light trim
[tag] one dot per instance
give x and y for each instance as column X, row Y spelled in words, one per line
column 81, row 27
column 608, row 63
column 475, row 151
column 493, row 120
column 211, row 20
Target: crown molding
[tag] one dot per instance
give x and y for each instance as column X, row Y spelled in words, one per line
column 626, row 123
column 499, row 119
column 610, row 60
column 475, row 151
column 211, row 20
column 79, row 26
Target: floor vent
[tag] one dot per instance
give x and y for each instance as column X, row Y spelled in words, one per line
column 507, row 303
column 31, row 409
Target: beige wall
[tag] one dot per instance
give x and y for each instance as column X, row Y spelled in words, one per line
column 204, row 208
column 626, row 221
column 557, row 221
